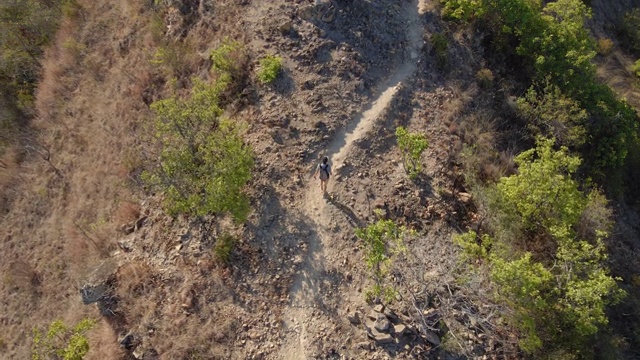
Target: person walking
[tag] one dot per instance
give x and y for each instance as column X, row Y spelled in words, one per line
column 323, row 171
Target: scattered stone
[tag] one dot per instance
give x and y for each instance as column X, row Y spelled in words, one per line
column 378, row 308
column 138, row 353
column 93, row 293
column 127, row 341
column 431, row 336
column 328, row 16
column 464, row 197
column 354, row 318
column 286, row 26
column 380, row 338
column 391, row 315
column 307, row 12
column 399, row 329
column 382, row 324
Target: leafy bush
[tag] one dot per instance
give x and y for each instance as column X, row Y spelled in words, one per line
column 555, row 45
column 547, row 254
column 383, row 240
column 270, row 67
column 223, row 248
column 550, row 113
column 204, row 163
column 636, row 68
column 629, row 30
column 230, row 61
column 411, row 145
column 441, row 46
column 62, row 342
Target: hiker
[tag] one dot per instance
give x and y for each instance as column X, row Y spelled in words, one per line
column 324, row 171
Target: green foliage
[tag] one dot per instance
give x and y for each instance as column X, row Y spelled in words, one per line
column 473, row 245
column 629, row 30
column 223, row 248
column 411, row 145
column 556, row 47
column 543, row 194
column 462, row 10
column 612, row 133
column 270, row 67
column 525, row 286
column 25, row 28
column 204, row 163
column 62, row 342
column 441, row 46
column 564, row 49
column 636, row 68
column 230, row 64
column 552, row 114
column 383, row 240
column 547, row 254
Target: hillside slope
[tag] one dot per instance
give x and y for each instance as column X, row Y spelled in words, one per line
column 295, row 286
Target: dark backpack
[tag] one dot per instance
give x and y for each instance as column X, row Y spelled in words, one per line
column 325, row 168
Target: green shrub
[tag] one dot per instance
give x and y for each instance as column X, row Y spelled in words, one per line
column 411, row 145
column 636, row 68
column 462, row 10
column 203, row 161
column 383, row 240
column 555, row 46
column 441, row 47
column 547, row 255
column 550, row 113
column 229, row 63
column 270, row 67
column 62, row 342
column 223, row 248
column 629, row 30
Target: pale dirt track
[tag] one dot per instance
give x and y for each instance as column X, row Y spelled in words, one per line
column 299, row 317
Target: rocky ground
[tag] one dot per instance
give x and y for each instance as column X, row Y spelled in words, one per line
column 294, row 287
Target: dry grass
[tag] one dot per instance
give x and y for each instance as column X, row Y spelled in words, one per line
column 104, row 343
column 481, row 160
column 616, row 71
column 91, row 105
column 21, row 275
column 128, row 212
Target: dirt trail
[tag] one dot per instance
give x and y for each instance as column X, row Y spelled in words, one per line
column 299, row 316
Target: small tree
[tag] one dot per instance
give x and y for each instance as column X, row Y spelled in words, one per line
column 383, row 240
column 62, row 342
column 203, row 162
column 411, row 145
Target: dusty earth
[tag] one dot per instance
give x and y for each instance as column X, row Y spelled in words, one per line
column 294, row 288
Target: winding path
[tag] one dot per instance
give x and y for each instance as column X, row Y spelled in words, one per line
column 299, row 315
